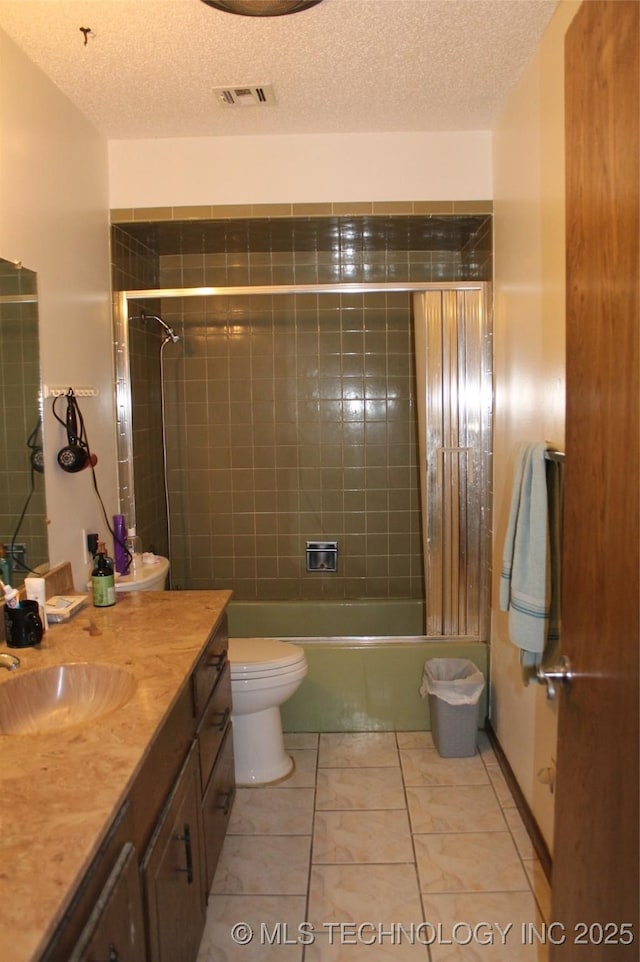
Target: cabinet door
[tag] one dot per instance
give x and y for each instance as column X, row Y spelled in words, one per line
column 115, row 930
column 216, row 805
column 173, row 872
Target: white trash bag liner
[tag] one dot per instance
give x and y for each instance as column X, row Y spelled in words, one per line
column 456, row 681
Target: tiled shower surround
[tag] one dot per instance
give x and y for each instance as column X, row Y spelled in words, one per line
column 289, row 417
column 294, row 418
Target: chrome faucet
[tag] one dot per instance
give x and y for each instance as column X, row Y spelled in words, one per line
column 10, row 662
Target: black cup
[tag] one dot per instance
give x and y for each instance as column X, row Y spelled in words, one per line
column 23, row 625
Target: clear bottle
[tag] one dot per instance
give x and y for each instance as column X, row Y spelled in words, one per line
column 102, row 579
column 134, row 547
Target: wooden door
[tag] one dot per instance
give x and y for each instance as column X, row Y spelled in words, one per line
column 595, row 871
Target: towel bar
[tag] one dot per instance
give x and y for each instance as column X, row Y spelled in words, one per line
column 554, row 455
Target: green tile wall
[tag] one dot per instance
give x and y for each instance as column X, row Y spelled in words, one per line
column 22, row 495
column 292, row 419
column 289, row 418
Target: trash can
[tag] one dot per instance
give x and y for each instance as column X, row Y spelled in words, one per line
column 454, row 686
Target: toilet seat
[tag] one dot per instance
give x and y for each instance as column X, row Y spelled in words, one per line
column 254, row 658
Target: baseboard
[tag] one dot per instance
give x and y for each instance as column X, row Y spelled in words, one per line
column 537, row 839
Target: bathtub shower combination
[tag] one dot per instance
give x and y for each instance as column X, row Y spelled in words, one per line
column 342, row 664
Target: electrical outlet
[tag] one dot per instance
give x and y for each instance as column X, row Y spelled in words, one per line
column 89, row 545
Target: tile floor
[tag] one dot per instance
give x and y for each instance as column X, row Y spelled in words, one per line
column 376, row 848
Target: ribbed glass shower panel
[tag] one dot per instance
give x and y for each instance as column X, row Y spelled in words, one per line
column 453, row 366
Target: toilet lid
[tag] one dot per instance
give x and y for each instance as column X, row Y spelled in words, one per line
column 250, row 655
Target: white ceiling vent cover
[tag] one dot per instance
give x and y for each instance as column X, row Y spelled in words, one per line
column 246, row 96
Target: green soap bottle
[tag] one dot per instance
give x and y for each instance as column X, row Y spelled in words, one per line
column 102, row 579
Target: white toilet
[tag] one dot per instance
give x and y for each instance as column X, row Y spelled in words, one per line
column 264, row 674
column 146, row 577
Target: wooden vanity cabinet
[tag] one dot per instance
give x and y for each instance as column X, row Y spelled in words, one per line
column 212, row 696
column 180, row 861
column 144, row 897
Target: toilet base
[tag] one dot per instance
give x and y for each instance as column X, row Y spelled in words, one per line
column 258, row 748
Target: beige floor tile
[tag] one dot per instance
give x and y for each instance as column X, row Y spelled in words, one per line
column 356, row 749
column 469, row 862
column 365, row 945
column 362, row 837
column 250, row 928
column 305, row 761
column 415, row 740
column 379, row 894
column 272, row 811
column 483, row 927
column 500, row 786
column 364, row 788
column 455, row 808
column 475, row 864
column 263, row 865
column 421, row 767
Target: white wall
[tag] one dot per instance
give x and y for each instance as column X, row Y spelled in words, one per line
column 317, row 168
column 54, row 218
column 529, row 294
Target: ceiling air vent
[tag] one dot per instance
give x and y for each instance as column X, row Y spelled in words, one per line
column 247, row 96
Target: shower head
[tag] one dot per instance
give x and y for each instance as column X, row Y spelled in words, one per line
column 169, row 331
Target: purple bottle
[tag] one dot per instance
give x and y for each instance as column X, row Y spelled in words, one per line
column 119, row 543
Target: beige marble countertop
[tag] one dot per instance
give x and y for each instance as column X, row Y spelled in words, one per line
column 60, row 791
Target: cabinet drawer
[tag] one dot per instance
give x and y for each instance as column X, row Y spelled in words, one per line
column 217, row 804
column 210, row 666
column 213, row 725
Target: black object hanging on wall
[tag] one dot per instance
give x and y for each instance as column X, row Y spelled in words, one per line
column 76, row 454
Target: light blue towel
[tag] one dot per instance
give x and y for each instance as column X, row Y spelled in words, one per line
column 525, row 583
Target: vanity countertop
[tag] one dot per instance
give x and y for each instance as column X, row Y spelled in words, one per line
column 60, row 791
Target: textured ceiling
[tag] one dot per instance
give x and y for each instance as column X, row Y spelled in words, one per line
column 149, row 67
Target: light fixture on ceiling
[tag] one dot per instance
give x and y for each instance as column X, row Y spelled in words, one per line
column 261, row 8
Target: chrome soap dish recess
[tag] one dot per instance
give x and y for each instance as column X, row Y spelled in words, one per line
column 322, row 555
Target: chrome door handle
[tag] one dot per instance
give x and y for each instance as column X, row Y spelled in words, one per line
column 549, row 676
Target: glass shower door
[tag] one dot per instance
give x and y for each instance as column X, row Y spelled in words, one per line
column 454, row 400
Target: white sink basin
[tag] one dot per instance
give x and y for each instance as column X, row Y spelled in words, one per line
column 52, row 699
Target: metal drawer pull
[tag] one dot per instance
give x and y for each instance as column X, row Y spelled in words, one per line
column 221, row 719
column 226, row 800
column 549, row 676
column 186, row 838
column 113, row 954
column 218, row 661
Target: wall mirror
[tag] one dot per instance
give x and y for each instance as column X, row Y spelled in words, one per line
column 23, row 524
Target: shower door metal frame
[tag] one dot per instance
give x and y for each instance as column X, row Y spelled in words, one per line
column 483, row 316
